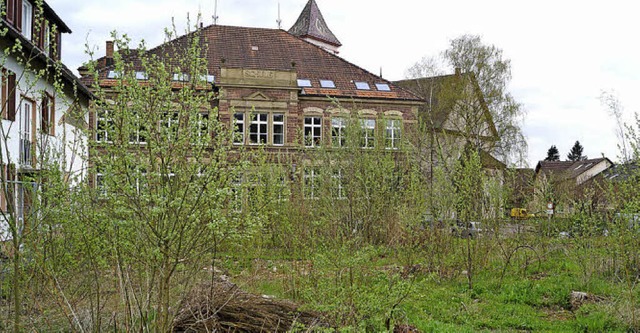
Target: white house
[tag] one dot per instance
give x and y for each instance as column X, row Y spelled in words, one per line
column 43, row 106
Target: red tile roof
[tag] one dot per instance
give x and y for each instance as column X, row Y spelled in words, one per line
column 275, row 49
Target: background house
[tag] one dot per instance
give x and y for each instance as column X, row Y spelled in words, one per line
column 43, row 106
column 570, row 183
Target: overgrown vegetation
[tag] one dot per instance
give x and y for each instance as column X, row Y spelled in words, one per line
column 366, row 239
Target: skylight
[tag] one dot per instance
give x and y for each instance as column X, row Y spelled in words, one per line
column 579, row 166
column 304, row 83
column 362, row 85
column 113, row 75
column 383, row 87
column 327, row 84
column 208, row 78
column 142, row 76
column 182, row 77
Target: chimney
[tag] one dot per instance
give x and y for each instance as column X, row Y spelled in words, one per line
column 109, row 54
column 83, row 71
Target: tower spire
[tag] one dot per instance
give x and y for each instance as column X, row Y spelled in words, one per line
column 311, row 27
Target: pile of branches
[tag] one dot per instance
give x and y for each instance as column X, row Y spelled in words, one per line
column 222, row 307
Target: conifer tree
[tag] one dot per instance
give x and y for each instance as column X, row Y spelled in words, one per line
column 553, row 154
column 575, row 154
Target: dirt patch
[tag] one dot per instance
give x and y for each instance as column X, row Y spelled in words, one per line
column 223, row 307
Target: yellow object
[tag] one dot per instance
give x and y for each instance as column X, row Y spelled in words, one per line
column 520, row 213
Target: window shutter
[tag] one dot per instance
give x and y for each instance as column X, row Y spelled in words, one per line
column 58, row 53
column 44, row 115
column 41, row 32
column 11, row 11
column 11, row 92
column 18, row 16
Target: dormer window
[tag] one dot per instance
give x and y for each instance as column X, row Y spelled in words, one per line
column 27, row 19
column 304, row 83
column 327, row 84
column 360, row 85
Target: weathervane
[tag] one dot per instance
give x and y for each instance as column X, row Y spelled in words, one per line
column 215, row 13
column 279, row 20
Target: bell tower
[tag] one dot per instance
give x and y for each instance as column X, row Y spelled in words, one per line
column 311, row 27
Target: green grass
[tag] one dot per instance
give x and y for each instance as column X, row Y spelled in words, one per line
column 359, row 287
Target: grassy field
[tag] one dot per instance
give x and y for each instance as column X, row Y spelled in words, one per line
column 519, row 283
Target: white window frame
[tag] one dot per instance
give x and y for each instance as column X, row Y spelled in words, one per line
column 311, row 180
column 278, row 129
column 338, row 132
column 239, row 128
column 255, row 128
column 170, row 124
column 393, row 133
column 202, row 125
column 368, row 133
column 313, row 131
column 138, row 127
column 27, row 19
column 338, row 186
column 103, row 120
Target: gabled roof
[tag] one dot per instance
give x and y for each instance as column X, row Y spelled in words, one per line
column 569, row 169
column 621, row 172
column 311, row 24
column 275, row 49
column 431, row 90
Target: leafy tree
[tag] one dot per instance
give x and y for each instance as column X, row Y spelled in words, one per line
column 553, row 154
column 576, row 152
column 492, row 73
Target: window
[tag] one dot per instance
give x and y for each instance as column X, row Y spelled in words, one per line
column 181, row 77
column 278, row 129
column 46, row 38
column 327, row 84
column 113, row 75
column 304, row 83
column 383, row 87
column 47, row 115
column 238, row 131
column 362, row 85
column 258, row 129
column 138, row 130
column 338, row 188
column 27, row 113
column 142, row 76
column 312, row 131
column 311, row 181
column 100, row 182
column 170, row 125
column 8, row 95
column 202, row 125
column 392, row 134
column 368, row 133
column 338, row 132
column 104, row 126
column 27, row 19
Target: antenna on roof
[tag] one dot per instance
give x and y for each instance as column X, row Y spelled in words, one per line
column 279, row 20
column 215, row 13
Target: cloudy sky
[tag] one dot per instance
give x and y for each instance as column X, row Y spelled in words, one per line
column 563, row 53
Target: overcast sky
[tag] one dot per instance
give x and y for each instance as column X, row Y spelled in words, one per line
column 563, row 53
